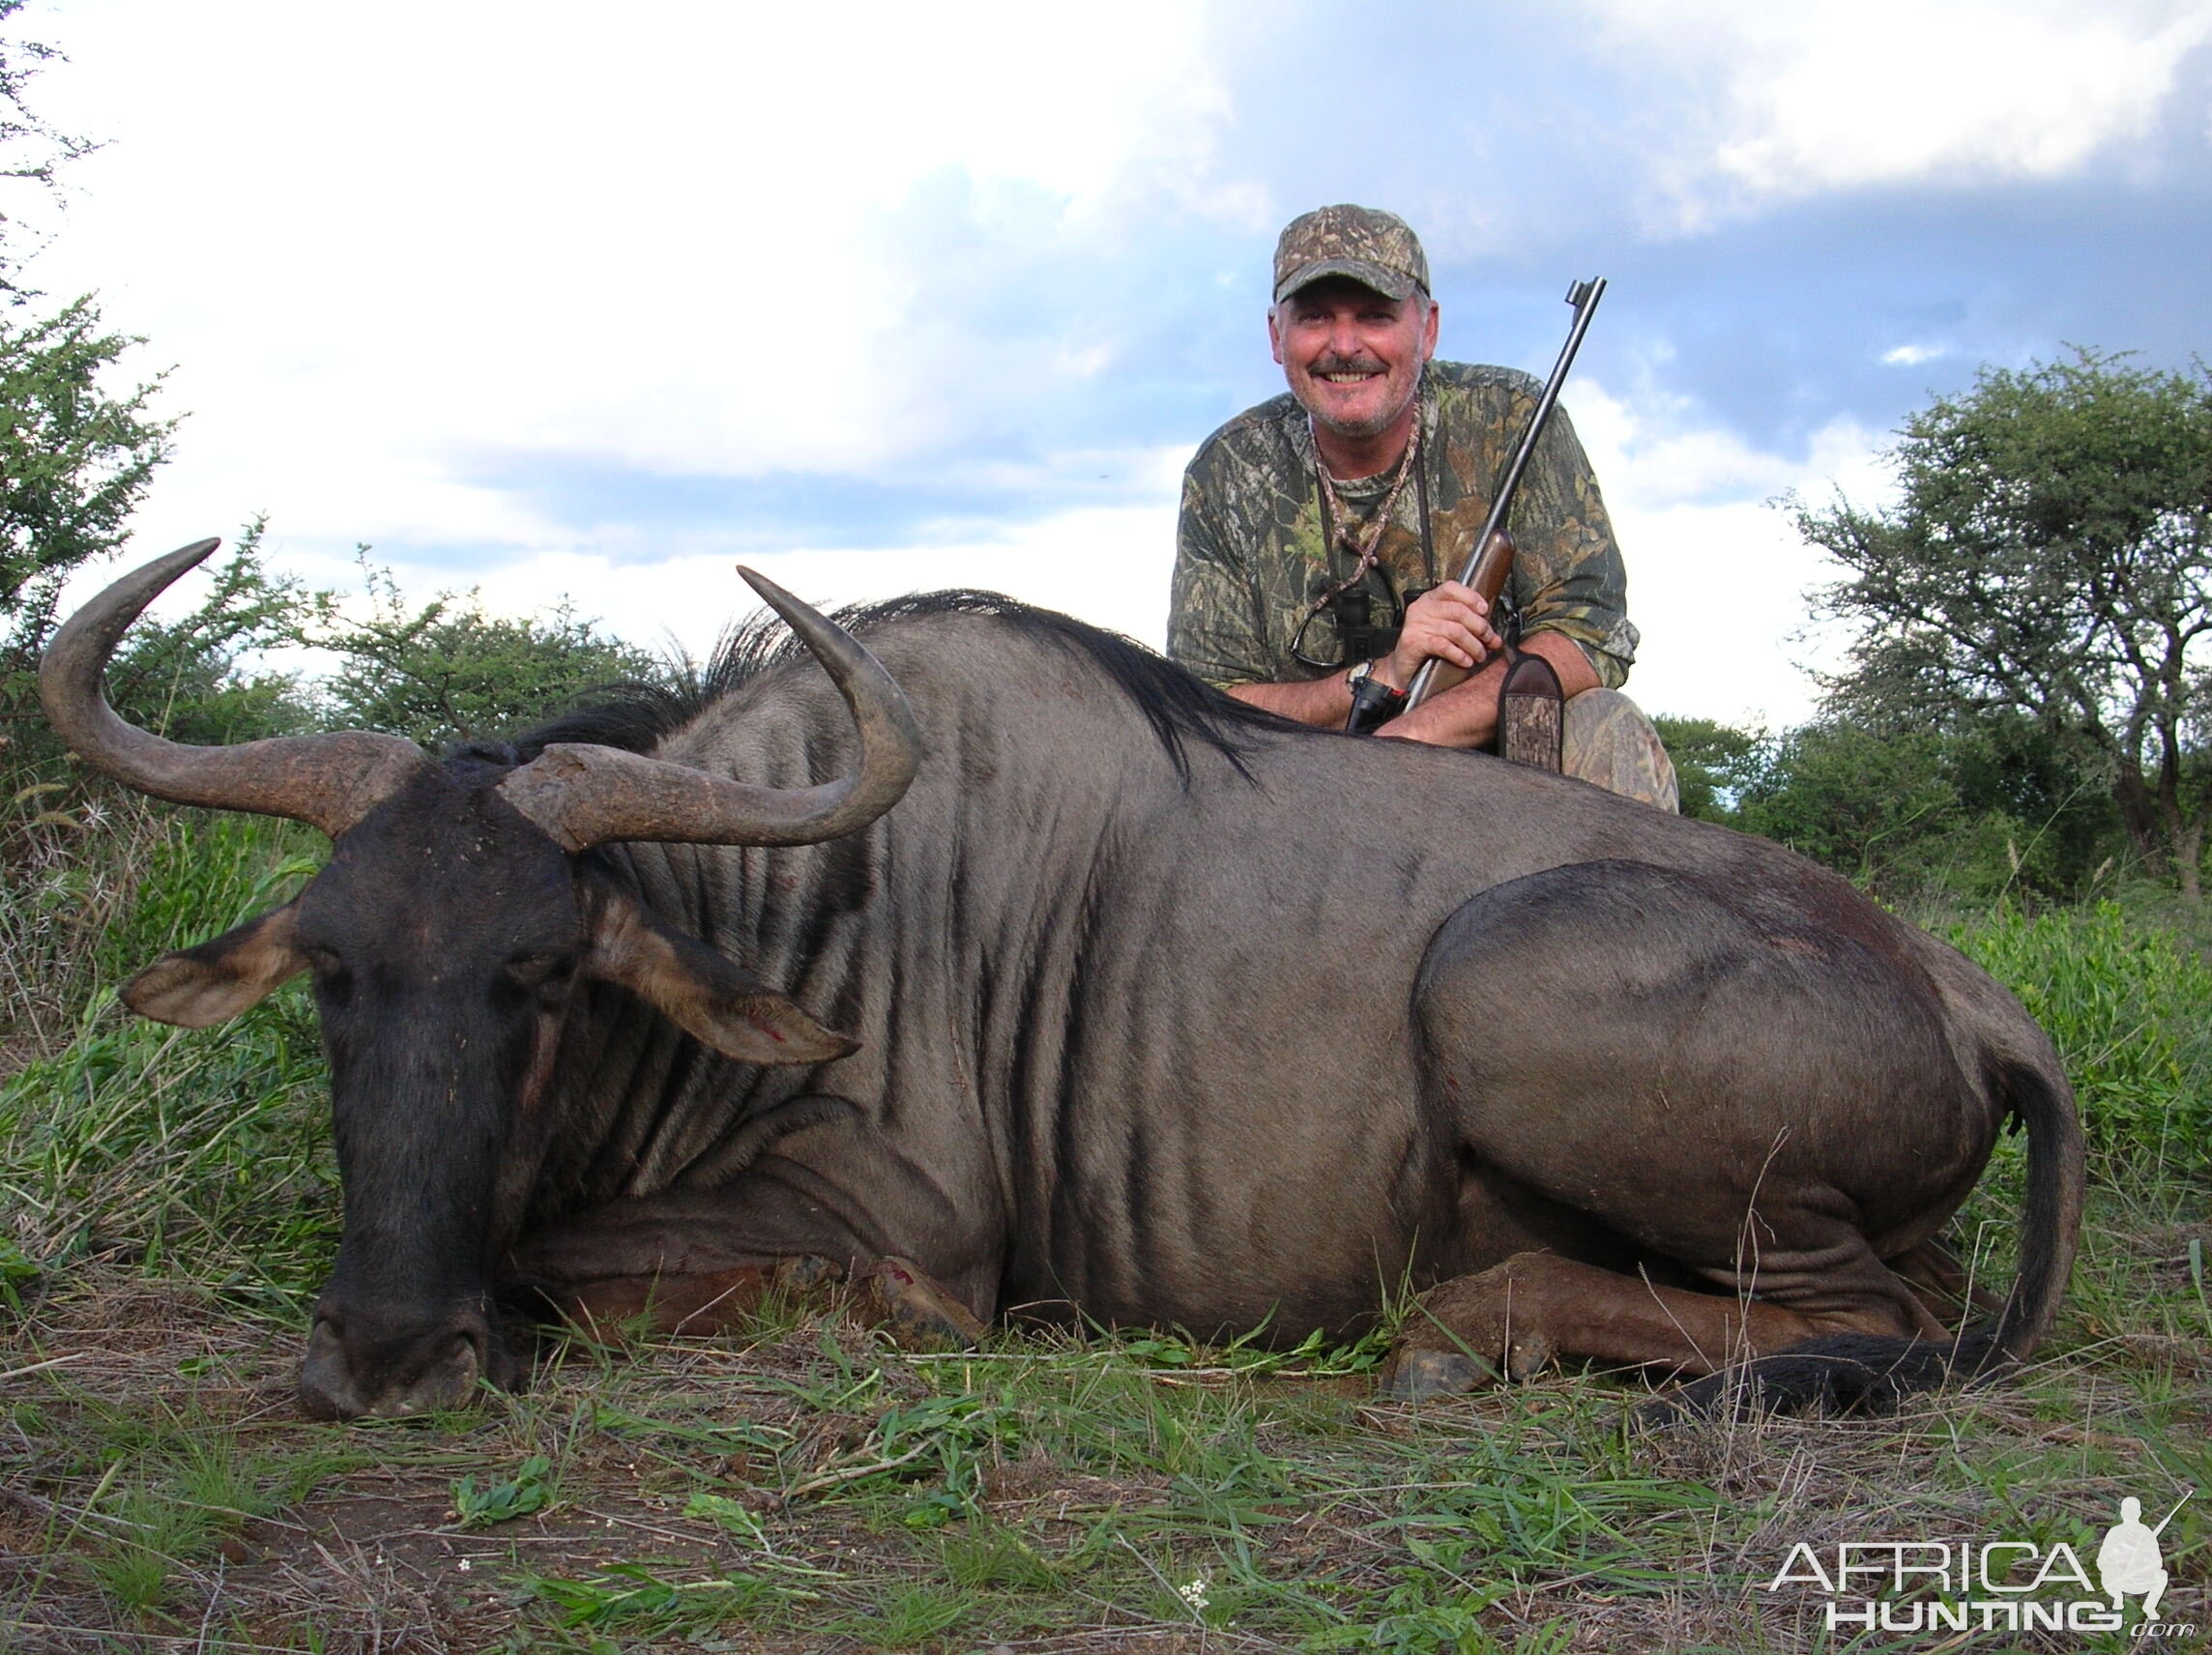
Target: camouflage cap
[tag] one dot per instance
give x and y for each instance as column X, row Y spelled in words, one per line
column 1373, row 248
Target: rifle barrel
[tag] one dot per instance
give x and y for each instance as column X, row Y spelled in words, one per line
column 2174, row 1513
column 1584, row 296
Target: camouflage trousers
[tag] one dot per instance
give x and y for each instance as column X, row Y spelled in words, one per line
column 1610, row 741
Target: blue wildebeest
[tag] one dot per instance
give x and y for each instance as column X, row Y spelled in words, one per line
column 1157, row 1010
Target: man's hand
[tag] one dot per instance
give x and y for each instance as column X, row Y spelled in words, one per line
column 1465, row 715
column 1449, row 622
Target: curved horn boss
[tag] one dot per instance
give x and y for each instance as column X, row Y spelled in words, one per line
column 452, row 937
column 581, row 794
column 329, row 782
column 584, row 794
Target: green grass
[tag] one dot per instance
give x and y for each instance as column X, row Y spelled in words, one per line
column 805, row 1486
column 2130, row 1008
column 168, row 1206
column 206, row 1153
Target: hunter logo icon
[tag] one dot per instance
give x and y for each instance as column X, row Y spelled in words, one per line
column 1938, row 1586
column 2129, row 1562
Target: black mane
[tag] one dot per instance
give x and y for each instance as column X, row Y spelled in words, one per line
column 1180, row 708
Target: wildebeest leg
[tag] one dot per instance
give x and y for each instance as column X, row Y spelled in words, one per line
column 697, row 1260
column 1514, row 1317
column 892, row 1294
column 697, row 1301
column 1935, row 1273
column 1754, row 1095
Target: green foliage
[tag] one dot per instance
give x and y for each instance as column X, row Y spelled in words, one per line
column 1432, row 1606
column 447, row 672
column 126, row 1139
column 480, row 1505
column 168, row 1486
column 1849, row 797
column 2127, row 1006
column 191, row 678
column 1974, row 811
column 906, row 1616
column 633, row 1598
column 76, row 457
column 2051, row 556
column 983, row 1554
column 1712, row 765
column 77, row 450
column 194, row 679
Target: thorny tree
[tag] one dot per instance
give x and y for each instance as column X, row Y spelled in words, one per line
column 448, row 672
column 75, row 453
column 31, row 152
column 2051, row 554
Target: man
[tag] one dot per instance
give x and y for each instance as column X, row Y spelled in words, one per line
column 1371, row 481
column 2129, row 1560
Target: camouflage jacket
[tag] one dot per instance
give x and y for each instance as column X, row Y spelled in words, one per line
column 1249, row 554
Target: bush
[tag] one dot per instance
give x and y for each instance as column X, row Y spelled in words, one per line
column 2127, row 1006
column 1713, row 763
column 449, row 673
column 1986, row 810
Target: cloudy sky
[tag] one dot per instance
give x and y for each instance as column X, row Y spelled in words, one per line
column 554, row 299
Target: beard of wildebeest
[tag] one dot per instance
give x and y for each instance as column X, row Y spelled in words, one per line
column 444, row 936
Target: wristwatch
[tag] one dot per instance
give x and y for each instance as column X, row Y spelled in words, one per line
column 1364, row 671
column 1374, row 703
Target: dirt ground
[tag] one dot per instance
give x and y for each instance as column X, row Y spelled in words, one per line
column 160, row 1491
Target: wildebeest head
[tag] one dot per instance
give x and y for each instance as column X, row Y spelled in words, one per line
column 445, row 936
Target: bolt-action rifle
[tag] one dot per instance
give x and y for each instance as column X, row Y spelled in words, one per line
column 1375, row 703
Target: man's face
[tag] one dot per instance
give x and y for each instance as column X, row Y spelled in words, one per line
column 1352, row 357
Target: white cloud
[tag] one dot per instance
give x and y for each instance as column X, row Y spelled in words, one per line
column 382, row 243
column 376, row 241
column 1110, row 564
column 1831, row 94
column 1717, row 577
column 1912, row 356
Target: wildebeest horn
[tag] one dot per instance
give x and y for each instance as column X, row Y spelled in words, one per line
column 327, row 781
column 584, row 794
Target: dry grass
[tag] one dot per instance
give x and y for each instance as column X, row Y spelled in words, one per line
column 165, row 1213
column 161, row 1493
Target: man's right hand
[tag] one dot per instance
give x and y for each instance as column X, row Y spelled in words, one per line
column 1449, row 623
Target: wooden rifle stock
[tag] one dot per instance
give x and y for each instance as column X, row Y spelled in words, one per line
column 1493, row 558
column 1492, row 570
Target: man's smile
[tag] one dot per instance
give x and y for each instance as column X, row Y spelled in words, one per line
column 1333, row 368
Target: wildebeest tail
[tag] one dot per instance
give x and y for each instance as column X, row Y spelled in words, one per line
column 1868, row 1372
column 2049, row 1223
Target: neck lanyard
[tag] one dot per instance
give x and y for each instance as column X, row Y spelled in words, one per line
column 1364, row 558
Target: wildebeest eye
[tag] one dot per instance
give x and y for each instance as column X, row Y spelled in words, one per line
column 540, row 969
column 334, row 983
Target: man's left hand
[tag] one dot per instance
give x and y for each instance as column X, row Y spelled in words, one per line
column 1449, row 623
column 1465, row 715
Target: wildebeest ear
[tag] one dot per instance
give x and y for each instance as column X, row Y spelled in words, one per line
column 702, row 993
column 197, row 988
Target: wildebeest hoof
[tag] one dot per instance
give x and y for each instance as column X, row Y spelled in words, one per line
column 918, row 1313
column 804, row 1272
column 1418, row 1374
column 375, row 1376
